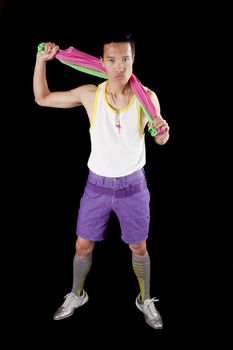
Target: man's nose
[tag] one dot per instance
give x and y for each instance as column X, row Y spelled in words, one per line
column 120, row 66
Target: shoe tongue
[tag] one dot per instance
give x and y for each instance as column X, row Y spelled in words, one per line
column 69, row 299
column 152, row 308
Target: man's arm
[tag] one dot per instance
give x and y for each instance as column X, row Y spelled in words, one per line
column 60, row 99
column 162, row 137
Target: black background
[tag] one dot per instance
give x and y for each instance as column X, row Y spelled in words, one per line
column 46, row 156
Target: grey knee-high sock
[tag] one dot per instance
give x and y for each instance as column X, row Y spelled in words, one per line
column 81, row 268
column 141, row 267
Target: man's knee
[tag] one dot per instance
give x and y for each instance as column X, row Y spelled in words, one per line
column 84, row 247
column 139, row 249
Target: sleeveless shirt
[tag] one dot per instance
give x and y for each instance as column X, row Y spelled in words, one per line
column 117, row 140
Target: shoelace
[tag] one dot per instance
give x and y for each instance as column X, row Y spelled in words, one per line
column 69, row 298
column 149, row 304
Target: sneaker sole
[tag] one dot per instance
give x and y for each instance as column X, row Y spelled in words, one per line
column 158, row 329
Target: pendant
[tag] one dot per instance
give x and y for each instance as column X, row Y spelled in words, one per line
column 118, row 123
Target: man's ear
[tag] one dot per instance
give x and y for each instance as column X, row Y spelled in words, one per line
column 101, row 61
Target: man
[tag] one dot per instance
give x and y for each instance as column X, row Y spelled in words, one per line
column 116, row 180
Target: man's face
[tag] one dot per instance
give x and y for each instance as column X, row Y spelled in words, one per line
column 118, row 62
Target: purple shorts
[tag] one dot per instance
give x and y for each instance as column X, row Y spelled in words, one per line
column 127, row 196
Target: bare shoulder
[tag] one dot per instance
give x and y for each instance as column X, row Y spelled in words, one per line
column 154, row 98
column 87, row 92
column 85, row 89
column 84, row 93
column 91, row 87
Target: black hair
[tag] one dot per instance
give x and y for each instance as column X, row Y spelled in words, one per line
column 118, row 35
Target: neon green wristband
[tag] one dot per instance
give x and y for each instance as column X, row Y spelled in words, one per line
column 152, row 130
column 40, row 48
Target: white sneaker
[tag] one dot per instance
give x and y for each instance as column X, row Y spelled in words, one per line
column 71, row 303
column 152, row 316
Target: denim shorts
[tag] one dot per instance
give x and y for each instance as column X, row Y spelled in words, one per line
column 127, row 196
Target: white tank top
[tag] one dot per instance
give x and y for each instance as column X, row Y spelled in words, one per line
column 117, row 140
